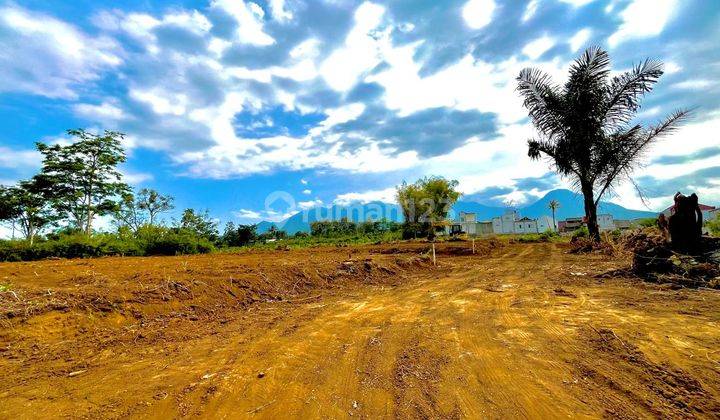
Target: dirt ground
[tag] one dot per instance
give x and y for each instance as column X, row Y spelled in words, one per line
column 513, row 331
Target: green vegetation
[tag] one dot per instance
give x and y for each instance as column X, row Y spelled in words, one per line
column 581, row 232
column 4, row 288
column 714, row 226
column 647, row 222
column 585, row 125
column 425, row 205
column 547, row 236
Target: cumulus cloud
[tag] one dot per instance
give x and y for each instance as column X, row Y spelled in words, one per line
column 643, row 18
column 478, row 13
column 235, row 88
column 386, row 195
column 46, row 56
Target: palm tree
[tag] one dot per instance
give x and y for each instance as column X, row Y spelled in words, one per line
column 584, row 126
column 554, row 205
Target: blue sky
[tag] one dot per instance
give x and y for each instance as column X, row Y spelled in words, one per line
column 227, row 101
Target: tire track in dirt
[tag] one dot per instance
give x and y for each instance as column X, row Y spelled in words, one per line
column 511, row 334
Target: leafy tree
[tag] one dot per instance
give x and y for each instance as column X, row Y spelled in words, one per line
column 426, row 202
column 585, row 126
column 128, row 214
column 27, row 205
column 553, row 205
column 154, row 203
column 83, row 176
column 132, row 211
column 241, row 235
column 199, row 224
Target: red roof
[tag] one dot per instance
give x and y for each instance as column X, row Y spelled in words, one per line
column 703, row 207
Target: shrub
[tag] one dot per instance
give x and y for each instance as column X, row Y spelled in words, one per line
column 581, row 232
column 713, row 225
column 150, row 240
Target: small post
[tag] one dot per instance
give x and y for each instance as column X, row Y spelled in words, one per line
column 473, row 245
column 433, row 251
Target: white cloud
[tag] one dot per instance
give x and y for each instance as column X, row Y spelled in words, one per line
column 386, row 195
column 579, row 39
column 303, row 181
column 19, row 159
column 642, row 19
column 162, row 102
column 249, row 17
column 530, row 10
column 279, row 12
column 305, row 205
column 248, row 214
column 102, row 112
column 577, row 3
column 478, row 13
column 359, row 54
column 307, row 191
column 694, row 84
column 46, row 56
column 538, row 47
column 136, row 178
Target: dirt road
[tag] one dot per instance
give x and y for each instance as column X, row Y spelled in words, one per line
column 527, row 331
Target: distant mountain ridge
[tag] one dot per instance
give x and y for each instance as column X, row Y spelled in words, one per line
column 571, row 205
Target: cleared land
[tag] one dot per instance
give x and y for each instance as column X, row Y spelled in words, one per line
column 521, row 330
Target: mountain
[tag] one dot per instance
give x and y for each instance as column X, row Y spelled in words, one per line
column 571, row 205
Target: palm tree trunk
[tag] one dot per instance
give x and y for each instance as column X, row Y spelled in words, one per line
column 554, row 224
column 590, row 211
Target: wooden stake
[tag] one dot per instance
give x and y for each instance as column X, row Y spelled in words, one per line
column 473, row 245
column 433, row 249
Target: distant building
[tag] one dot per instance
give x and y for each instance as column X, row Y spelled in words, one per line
column 525, row 225
column 605, row 222
column 623, row 224
column 708, row 212
column 571, row 224
column 506, row 223
column 544, row 224
column 468, row 223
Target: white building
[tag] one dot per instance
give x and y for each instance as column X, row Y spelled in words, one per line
column 506, row 222
column 468, row 223
column 605, row 222
column 525, row 225
column 510, row 222
column 545, row 223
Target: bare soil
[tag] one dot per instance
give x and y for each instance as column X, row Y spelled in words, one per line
column 513, row 331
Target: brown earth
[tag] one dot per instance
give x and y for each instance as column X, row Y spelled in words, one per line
column 521, row 330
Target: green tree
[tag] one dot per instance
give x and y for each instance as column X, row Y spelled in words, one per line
column 128, row 214
column 83, row 176
column 240, row 235
column 585, row 126
column 553, row 205
column 154, row 203
column 200, row 224
column 26, row 204
column 133, row 211
column 425, row 202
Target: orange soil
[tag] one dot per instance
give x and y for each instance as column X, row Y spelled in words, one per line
column 524, row 330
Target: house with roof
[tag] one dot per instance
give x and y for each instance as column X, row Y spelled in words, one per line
column 708, row 212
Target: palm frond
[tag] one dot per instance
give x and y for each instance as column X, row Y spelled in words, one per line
column 626, row 89
column 593, row 63
column 541, row 100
